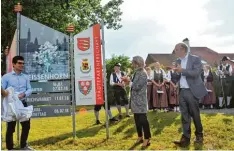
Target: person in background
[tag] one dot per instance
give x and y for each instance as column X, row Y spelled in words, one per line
column 225, row 71
column 149, row 88
column 173, row 78
column 21, row 84
column 97, row 108
column 207, row 78
column 139, row 100
column 120, row 93
column 229, row 61
column 159, row 90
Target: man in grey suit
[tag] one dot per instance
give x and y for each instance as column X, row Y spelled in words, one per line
column 191, row 90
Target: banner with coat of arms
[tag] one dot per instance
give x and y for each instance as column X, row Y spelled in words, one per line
column 88, row 67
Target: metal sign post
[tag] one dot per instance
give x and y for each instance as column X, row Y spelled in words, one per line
column 71, row 29
column 104, row 78
column 18, row 9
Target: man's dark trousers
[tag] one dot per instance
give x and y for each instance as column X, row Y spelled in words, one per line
column 189, row 108
column 24, row 134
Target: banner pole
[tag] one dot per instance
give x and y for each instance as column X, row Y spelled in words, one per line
column 71, row 29
column 73, row 87
column 104, row 78
column 18, row 9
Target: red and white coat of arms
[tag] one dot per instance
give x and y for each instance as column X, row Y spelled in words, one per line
column 85, row 86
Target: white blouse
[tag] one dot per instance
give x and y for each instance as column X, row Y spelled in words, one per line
column 158, row 71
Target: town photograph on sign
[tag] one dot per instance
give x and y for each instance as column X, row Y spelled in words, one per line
column 117, row 75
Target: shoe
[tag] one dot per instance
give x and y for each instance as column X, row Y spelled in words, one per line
column 120, row 116
column 98, row 122
column 27, row 148
column 146, row 143
column 198, row 140
column 114, row 120
column 228, row 107
column 139, row 141
column 183, row 142
column 128, row 116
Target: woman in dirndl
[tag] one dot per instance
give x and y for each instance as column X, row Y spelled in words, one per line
column 174, row 78
column 159, row 90
column 149, row 88
column 207, row 77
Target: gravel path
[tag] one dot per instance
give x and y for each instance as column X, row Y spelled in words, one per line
column 207, row 111
column 223, row 111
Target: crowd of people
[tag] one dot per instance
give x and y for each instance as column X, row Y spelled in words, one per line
column 180, row 89
column 163, row 87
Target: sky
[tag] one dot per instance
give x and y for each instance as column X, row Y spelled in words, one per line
column 155, row 26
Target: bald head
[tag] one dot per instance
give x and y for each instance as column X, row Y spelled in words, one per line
column 180, row 50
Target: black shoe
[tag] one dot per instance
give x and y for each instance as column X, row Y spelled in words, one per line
column 120, row 116
column 146, row 144
column 183, row 142
column 198, row 140
column 139, row 141
column 114, row 120
column 98, row 122
column 128, row 116
column 228, row 107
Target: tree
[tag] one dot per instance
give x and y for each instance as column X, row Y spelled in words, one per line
column 58, row 14
column 125, row 67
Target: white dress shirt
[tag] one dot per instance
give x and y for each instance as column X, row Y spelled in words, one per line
column 118, row 76
column 183, row 81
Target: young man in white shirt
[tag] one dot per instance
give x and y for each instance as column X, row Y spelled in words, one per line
column 225, row 71
column 120, row 94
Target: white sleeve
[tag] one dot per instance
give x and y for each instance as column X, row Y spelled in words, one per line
column 152, row 75
column 111, row 80
column 164, row 74
column 230, row 70
column 130, row 84
column 169, row 76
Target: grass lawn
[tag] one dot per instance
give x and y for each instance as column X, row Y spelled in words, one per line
column 56, row 133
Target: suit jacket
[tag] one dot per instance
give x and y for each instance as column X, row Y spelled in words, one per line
column 139, row 102
column 193, row 76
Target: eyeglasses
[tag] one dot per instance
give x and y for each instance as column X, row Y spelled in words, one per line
column 20, row 63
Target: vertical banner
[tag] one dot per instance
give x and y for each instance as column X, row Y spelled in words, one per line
column 45, row 51
column 10, row 56
column 88, row 67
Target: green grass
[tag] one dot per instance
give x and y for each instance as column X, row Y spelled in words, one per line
column 56, row 133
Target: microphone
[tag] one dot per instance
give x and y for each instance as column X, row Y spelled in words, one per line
column 178, row 62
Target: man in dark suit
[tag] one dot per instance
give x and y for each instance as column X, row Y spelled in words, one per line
column 191, row 90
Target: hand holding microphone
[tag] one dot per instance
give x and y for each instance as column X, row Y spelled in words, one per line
column 178, row 69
